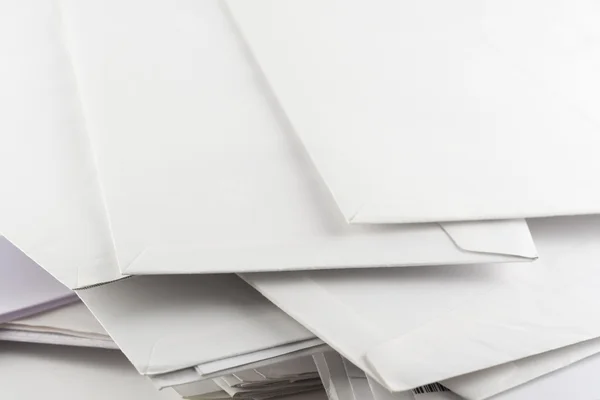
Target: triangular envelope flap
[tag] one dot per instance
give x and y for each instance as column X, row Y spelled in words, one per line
column 252, row 171
column 448, row 134
column 50, row 203
column 508, row 237
column 172, row 322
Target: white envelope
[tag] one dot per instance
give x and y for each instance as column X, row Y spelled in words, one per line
column 434, row 110
column 235, row 365
column 70, row 325
column 12, row 335
column 51, row 207
column 577, row 381
column 73, row 319
column 50, row 201
column 33, row 371
column 542, row 312
column 491, row 381
column 198, row 173
column 262, row 358
column 63, row 194
column 168, row 323
column 405, row 326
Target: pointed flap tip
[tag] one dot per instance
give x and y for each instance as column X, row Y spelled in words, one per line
column 504, row 237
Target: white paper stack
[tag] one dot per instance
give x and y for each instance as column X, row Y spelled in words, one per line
column 235, row 188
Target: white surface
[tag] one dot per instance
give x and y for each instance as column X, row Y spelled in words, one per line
column 490, row 381
column 409, row 327
column 166, row 323
column 576, row 382
column 33, row 372
column 528, row 316
column 439, row 111
column 46, row 169
column 198, row 173
column 263, row 206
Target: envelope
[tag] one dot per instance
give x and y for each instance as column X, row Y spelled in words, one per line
column 250, row 172
column 168, row 323
column 508, row 324
column 33, row 371
column 401, row 326
column 573, row 382
column 73, row 319
column 438, row 111
column 196, row 374
column 60, row 47
column 53, row 186
column 492, row 381
column 14, row 335
column 262, row 358
column 25, row 288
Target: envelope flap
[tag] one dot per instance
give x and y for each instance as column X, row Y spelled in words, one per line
column 403, row 135
column 508, row 237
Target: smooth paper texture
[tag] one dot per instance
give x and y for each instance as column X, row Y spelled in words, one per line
column 33, row 371
column 573, row 382
column 251, row 179
column 529, row 316
column 439, row 310
column 25, row 288
column 438, row 111
column 491, row 381
column 166, row 323
column 198, row 172
column 50, row 202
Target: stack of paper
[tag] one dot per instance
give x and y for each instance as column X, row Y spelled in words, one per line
column 237, row 189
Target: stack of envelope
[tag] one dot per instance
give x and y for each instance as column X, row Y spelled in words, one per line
column 255, row 199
